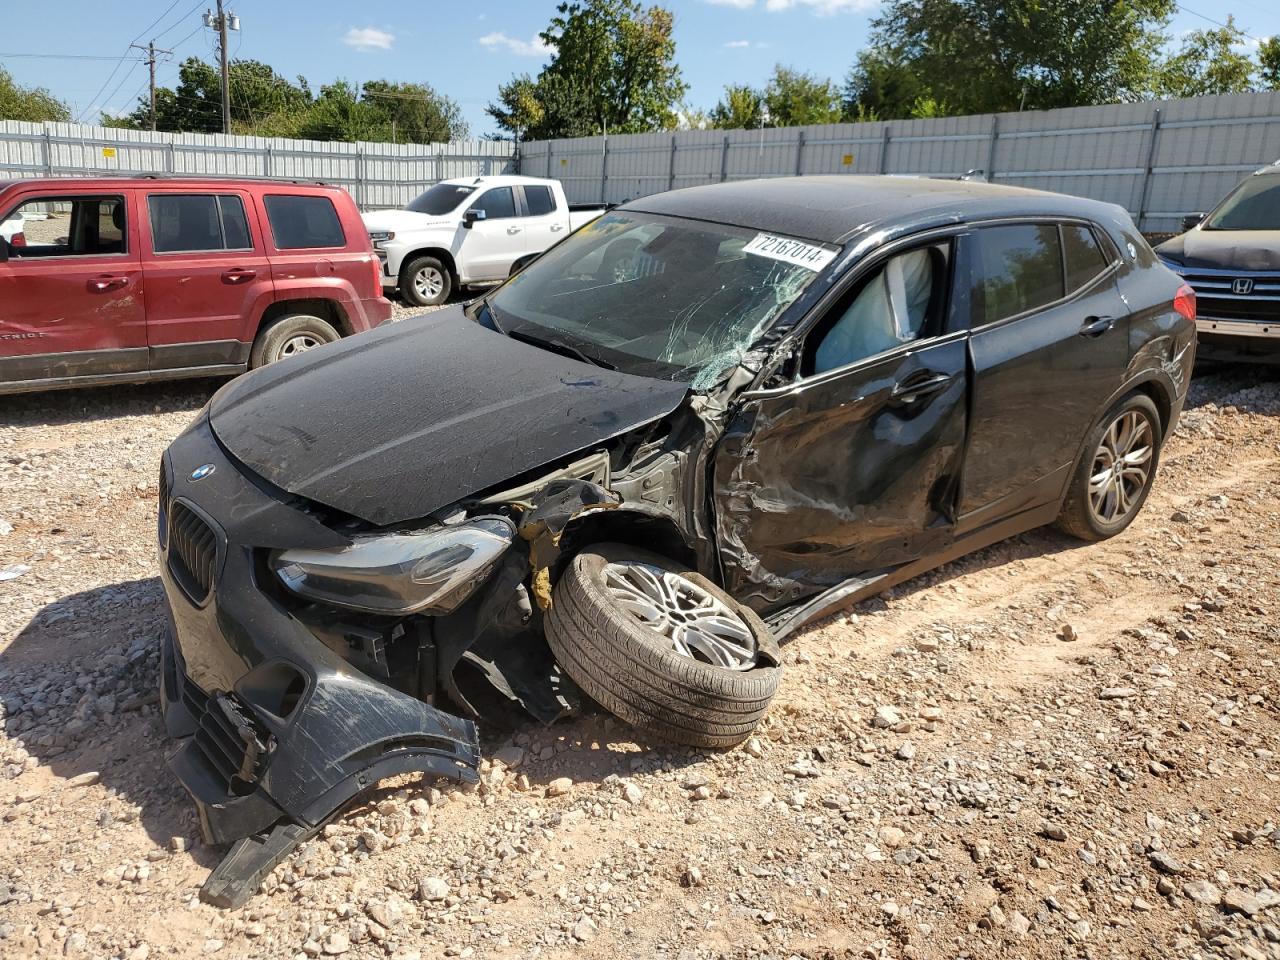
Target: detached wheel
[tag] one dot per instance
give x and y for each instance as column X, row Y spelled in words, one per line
column 426, row 282
column 662, row 647
column 1114, row 476
column 290, row 336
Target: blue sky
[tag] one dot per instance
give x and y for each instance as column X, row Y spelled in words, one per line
column 462, row 49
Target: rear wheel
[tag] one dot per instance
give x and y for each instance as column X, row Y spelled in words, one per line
column 1115, row 473
column 662, row 647
column 425, row 282
column 290, row 336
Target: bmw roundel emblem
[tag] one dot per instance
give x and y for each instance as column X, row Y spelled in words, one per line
column 202, row 471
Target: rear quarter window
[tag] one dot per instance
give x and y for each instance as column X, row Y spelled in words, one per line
column 303, row 223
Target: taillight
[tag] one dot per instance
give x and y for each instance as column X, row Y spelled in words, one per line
column 377, row 275
column 1184, row 301
column 18, row 240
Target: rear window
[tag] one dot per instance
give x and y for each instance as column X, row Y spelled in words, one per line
column 302, row 223
column 1019, row 269
column 191, row 223
column 1085, row 259
column 539, row 201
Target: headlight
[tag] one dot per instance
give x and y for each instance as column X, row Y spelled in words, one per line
column 400, row 573
column 381, row 236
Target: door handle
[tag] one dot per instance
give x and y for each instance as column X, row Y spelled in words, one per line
column 917, row 388
column 105, row 283
column 557, row 227
column 1097, row 326
column 513, row 230
column 236, row 275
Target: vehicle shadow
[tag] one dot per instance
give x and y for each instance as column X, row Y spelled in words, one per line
column 88, row 404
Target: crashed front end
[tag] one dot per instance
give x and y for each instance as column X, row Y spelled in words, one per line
column 288, row 711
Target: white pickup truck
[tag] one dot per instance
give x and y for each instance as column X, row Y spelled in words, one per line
column 474, row 230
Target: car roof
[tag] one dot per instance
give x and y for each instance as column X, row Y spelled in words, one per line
column 496, row 180
column 832, row 209
column 160, row 180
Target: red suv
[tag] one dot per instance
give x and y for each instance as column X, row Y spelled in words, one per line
column 128, row 279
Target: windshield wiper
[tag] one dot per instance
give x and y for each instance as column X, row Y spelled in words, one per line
column 560, row 347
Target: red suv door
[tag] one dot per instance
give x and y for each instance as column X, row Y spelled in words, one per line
column 70, row 298
column 208, row 277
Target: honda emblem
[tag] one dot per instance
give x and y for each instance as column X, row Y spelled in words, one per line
column 1242, row 285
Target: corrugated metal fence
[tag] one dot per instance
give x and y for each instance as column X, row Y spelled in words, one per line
column 376, row 174
column 1158, row 160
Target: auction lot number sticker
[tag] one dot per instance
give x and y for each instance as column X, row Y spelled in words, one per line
column 802, row 254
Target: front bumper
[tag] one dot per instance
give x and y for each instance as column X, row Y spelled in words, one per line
column 280, row 730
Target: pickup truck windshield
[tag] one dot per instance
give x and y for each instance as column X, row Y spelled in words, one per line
column 441, row 199
column 658, row 296
column 1254, row 205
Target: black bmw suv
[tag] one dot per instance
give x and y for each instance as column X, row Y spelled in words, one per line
column 704, row 419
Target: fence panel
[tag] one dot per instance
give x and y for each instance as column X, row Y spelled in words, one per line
column 376, row 174
column 1158, row 160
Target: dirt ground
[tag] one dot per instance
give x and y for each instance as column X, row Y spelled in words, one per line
column 1042, row 750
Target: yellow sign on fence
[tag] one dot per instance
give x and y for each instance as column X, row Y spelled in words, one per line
column 109, row 153
column 847, row 160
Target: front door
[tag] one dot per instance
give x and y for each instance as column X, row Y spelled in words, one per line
column 493, row 244
column 852, row 469
column 208, row 278
column 71, row 303
column 1050, row 346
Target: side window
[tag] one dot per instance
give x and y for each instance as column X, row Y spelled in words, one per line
column 902, row 300
column 192, row 223
column 1084, row 255
column 55, row 226
column 539, row 200
column 497, row 203
column 1019, row 268
column 303, row 223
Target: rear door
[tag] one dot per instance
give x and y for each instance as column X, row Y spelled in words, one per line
column 852, row 469
column 1050, row 345
column 71, row 303
column 545, row 222
column 207, row 277
column 493, row 244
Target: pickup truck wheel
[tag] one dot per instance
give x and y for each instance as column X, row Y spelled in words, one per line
column 661, row 646
column 288, row 337
column 426, row 282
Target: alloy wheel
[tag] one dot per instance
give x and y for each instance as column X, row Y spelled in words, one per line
column 1121, row 467
column 300, row 343
column 698, row 625
column 428, row 283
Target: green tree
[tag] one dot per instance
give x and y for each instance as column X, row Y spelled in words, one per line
column 415, row 112
column 796, row 99
column 195, row 105
column 33, row 104
column 1209, row 61
column 738, row 109
column 979, row 56
column 614, row 67
column 1269, row 63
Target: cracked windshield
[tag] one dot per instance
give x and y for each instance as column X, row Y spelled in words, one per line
column 658, row 296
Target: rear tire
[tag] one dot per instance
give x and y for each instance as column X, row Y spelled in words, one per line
column 1103, row 501
column 290, row 336
column 633, row 669
column 425, row 282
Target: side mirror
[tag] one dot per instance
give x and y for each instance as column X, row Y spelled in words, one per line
column 1192, row 220
column 472, row 216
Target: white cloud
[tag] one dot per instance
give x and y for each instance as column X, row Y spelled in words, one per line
column 738, row 44
column 521, row 48
column 365, row 39
column 823, row 8
column 736, row 4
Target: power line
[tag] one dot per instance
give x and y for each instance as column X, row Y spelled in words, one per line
column 1219, row 23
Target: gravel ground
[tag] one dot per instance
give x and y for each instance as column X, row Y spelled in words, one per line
column 1044, row 749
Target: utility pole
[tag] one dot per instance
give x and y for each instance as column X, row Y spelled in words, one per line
column 151, row 51
column 223, row 22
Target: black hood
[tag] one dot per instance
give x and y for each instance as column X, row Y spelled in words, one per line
column 395, row 423
column 1225, row 249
